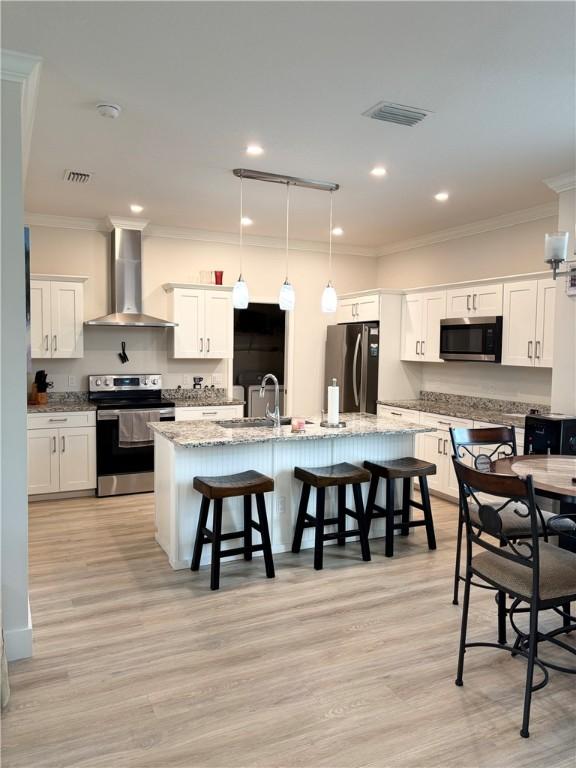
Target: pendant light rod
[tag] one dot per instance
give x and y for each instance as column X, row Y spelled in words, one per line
column 278, row 178
column 287, row 224
column 241, row 225
column 330, row 239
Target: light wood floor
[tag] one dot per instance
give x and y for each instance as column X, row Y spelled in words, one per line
column 137, row 665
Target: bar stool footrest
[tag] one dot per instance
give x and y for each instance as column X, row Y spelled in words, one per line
column 240, row 550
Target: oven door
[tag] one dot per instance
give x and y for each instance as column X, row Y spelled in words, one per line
column 471, row 338
column 123, row 468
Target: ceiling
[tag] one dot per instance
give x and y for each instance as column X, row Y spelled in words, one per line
column 198, row 81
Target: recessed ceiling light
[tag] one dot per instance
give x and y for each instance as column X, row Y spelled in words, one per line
column 337, row 231
column 441, row 197
column 135, row 208
column 246, row 221
column 378, row 170
column 254, row 149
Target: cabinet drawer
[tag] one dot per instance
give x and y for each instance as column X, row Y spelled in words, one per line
column 61, row 419
column 437, row 421
column 403, row 414
column 209, row 413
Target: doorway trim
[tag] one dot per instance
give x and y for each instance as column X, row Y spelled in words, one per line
column 288, row 354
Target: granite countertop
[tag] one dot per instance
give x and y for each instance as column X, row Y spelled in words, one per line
column 187, row 402
column 62, row 407
column 464, row 410
column 194, row 434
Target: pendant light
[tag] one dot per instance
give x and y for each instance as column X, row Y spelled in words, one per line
column 287, row 297
column 240, row 295
column 329, row 302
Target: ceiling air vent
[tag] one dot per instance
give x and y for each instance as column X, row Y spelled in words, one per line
column 77, row 177
column 396, row 113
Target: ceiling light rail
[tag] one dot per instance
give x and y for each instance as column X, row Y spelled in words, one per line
column 278, row 178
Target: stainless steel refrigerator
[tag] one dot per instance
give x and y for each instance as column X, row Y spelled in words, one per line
column 352, row 359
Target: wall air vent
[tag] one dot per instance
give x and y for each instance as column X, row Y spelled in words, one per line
column 389, row 112
column 77, row 177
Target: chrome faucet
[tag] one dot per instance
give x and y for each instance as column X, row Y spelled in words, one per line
column 275, row 414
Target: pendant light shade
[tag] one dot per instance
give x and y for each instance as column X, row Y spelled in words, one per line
column 329, row 301
column 240, row 294
column 287, row 295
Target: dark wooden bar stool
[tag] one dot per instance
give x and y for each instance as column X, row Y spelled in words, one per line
column 246, row 484
column 340, row 475
column 405, row 469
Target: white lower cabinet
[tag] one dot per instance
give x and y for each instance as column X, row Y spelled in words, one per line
column 61, row 458
column 436, row 447
column 209, row 412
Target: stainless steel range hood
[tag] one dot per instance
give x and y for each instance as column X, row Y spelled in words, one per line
column 126, row 283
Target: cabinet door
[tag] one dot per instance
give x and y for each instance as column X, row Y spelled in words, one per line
column 430, row 447
column 433, row 310
column 346, row 312
column 545, row 309
column 188, row 312
column 43, row 461
column 519, row 323
column 367, row 308
column 67, row 313
column 219, row 325
column 40, row 341
column 411, row 326
column 77, row 452
column 459, row 302
column 487, row 300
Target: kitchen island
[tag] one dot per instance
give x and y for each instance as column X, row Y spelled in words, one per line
column 186, row 449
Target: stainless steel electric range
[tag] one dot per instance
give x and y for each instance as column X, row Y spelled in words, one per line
column 124, row 447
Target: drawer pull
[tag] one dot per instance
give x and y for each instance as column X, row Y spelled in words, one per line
column 209, row 413
column 64, row 419
column 445, row 423
column 395, row 413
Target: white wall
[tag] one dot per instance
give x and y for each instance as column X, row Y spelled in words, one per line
column 165, row 259
column 564, row 375
column 14, row 506
column 510, row 251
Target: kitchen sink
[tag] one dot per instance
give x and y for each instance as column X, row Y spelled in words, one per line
column 254, row 423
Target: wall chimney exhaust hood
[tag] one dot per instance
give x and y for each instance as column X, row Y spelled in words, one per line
column 126, row 279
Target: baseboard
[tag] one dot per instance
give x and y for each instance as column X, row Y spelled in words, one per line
column 18, row 642
column 61, row 495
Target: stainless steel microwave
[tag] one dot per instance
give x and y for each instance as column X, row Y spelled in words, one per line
column 471, row 338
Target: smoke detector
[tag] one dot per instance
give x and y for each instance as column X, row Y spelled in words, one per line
column 111, row 111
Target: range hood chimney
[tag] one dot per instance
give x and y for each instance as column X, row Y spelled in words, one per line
column 126, row 279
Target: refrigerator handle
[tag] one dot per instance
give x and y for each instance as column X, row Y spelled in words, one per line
column 355, row 369
column 364, row 368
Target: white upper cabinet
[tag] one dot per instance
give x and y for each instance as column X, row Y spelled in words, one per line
column 205, row 320
column 358, row 309
column 474, row 301
column 56, row 318
column 528, row 323
column 421, row 315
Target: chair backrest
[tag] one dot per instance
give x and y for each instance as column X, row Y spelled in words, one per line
column 508, row 492
column 499, row 442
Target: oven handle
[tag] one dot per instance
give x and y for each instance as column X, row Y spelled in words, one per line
column 111, row 415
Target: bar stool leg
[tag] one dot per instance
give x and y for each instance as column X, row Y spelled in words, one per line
column 427, row 512
column 406, row 483
column 372, row 491
column 362, row 528
column 248, row 527
column 301, row 519
column 199, row 541
column 216, row 541
column 389, row 545
column 341, row 514
column 265, row 534
column 319, row 532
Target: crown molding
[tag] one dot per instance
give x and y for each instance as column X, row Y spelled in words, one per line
column 474, row 228
column 23, row 68
column 563, row 183
column 195, row 235
column 118, row 222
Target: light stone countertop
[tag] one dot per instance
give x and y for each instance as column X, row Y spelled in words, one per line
column 458, row 411
column 194, row 434
column 62, row 407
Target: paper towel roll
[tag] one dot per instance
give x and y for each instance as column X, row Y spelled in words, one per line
column 333, row 403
